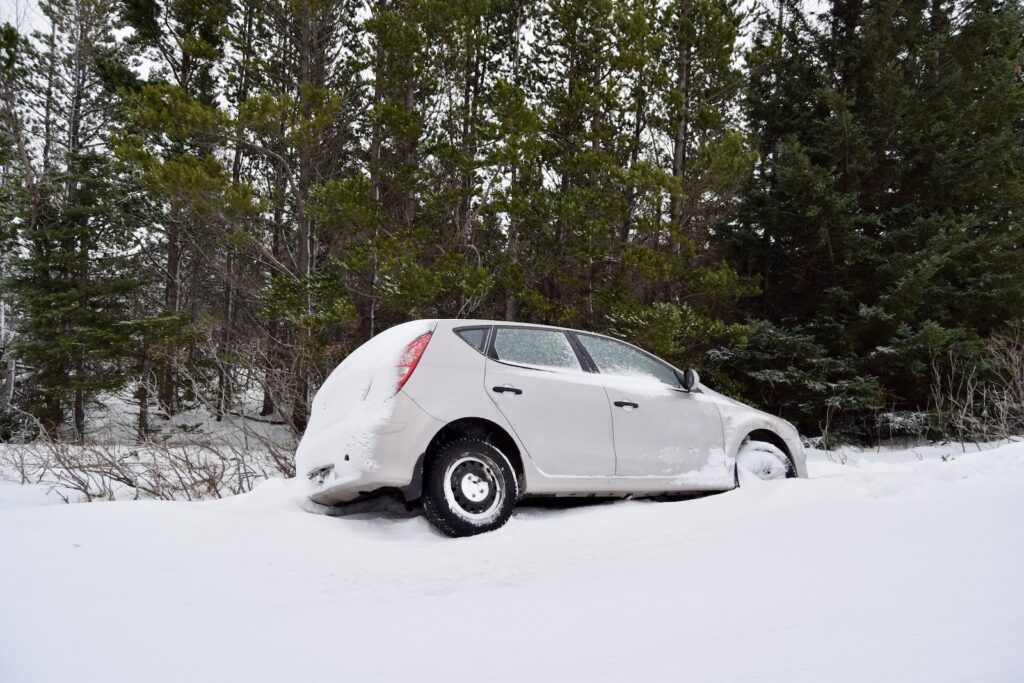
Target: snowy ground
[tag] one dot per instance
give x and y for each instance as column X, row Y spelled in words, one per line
column 886, row 568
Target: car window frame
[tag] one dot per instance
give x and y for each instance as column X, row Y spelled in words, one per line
column 488, row 331
column 583, row 350
column 582, row 360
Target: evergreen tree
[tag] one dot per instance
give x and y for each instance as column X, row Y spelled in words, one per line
column 168, row 141
column 884, row 215
column 68, row 277
column 228, row 196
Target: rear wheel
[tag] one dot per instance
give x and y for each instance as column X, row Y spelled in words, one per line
column 762, row 460
column 469, row 487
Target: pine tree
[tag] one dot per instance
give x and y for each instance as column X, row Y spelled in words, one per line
column 168, row 140
column 882, row 215
column 68, row 277
column 296, row 131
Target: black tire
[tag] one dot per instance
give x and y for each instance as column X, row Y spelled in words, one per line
column 469, row 488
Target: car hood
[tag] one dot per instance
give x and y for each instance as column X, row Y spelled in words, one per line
column 733, row 404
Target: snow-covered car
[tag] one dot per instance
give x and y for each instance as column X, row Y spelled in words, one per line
column 470, row 416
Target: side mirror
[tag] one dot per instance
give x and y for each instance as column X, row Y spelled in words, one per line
column 690, row 379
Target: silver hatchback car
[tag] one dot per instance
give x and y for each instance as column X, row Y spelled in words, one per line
column 470, row 416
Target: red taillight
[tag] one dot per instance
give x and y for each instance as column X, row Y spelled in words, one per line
column 410, row 358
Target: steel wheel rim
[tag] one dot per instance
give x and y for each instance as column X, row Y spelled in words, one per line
column 474, row 488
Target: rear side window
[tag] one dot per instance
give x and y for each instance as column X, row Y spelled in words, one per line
column 616, row 358
column 540, row 348
column 474, row 336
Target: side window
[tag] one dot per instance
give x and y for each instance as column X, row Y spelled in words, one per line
column 616, row 358
column 540, row 348
column 474, row 336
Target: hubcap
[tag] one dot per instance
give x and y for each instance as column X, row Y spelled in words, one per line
column 473, row 488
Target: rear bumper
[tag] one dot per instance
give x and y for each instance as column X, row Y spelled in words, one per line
column 342, row 483
column 344, row 465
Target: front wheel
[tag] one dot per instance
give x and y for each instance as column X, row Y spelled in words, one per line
column 762, row 460
column 469, row 488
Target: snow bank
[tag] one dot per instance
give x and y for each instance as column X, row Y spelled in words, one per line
column 888, row 568
column 26, row 495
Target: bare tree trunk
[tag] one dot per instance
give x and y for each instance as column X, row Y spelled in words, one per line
column 274, row 326
column 472, row 66
column 172, row 304
column 224, row 376
column 375, row 181
column 79, row 413
column 223, row 363
column 309, row 76
column 639, row 102
column 8, row 371
column 8, row 366
column 513, row 227
column 409, row 205
column 681, row 141
column 143, row 395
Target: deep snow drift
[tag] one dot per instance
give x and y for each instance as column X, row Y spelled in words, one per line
column 885, row 568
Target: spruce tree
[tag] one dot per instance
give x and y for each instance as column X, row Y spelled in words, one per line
column 68, row 275
column 884, row 213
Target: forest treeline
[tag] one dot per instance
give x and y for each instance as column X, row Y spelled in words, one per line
column 214, row 201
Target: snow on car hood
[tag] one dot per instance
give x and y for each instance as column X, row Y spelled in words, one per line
column 359, row 396
column 724, row 400
column 732, row 410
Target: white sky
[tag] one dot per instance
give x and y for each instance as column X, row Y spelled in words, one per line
column 24, row 15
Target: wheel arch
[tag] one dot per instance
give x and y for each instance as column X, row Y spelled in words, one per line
column 462, row 427
column 768, row 436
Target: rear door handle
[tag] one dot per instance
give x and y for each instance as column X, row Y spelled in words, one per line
column 507, row 390
column 627, row 404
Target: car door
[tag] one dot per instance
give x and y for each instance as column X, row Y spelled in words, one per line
column 659, row 429
column 559, row 412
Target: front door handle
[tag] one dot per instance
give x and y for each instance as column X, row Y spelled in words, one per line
column 505, row 389
column 627, row 404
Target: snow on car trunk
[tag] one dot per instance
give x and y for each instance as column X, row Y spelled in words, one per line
column 356, row 398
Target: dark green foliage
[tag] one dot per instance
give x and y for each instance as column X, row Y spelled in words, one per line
column 70, row 287
column 885, row 213
column 789, row 372
column 823, row 225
